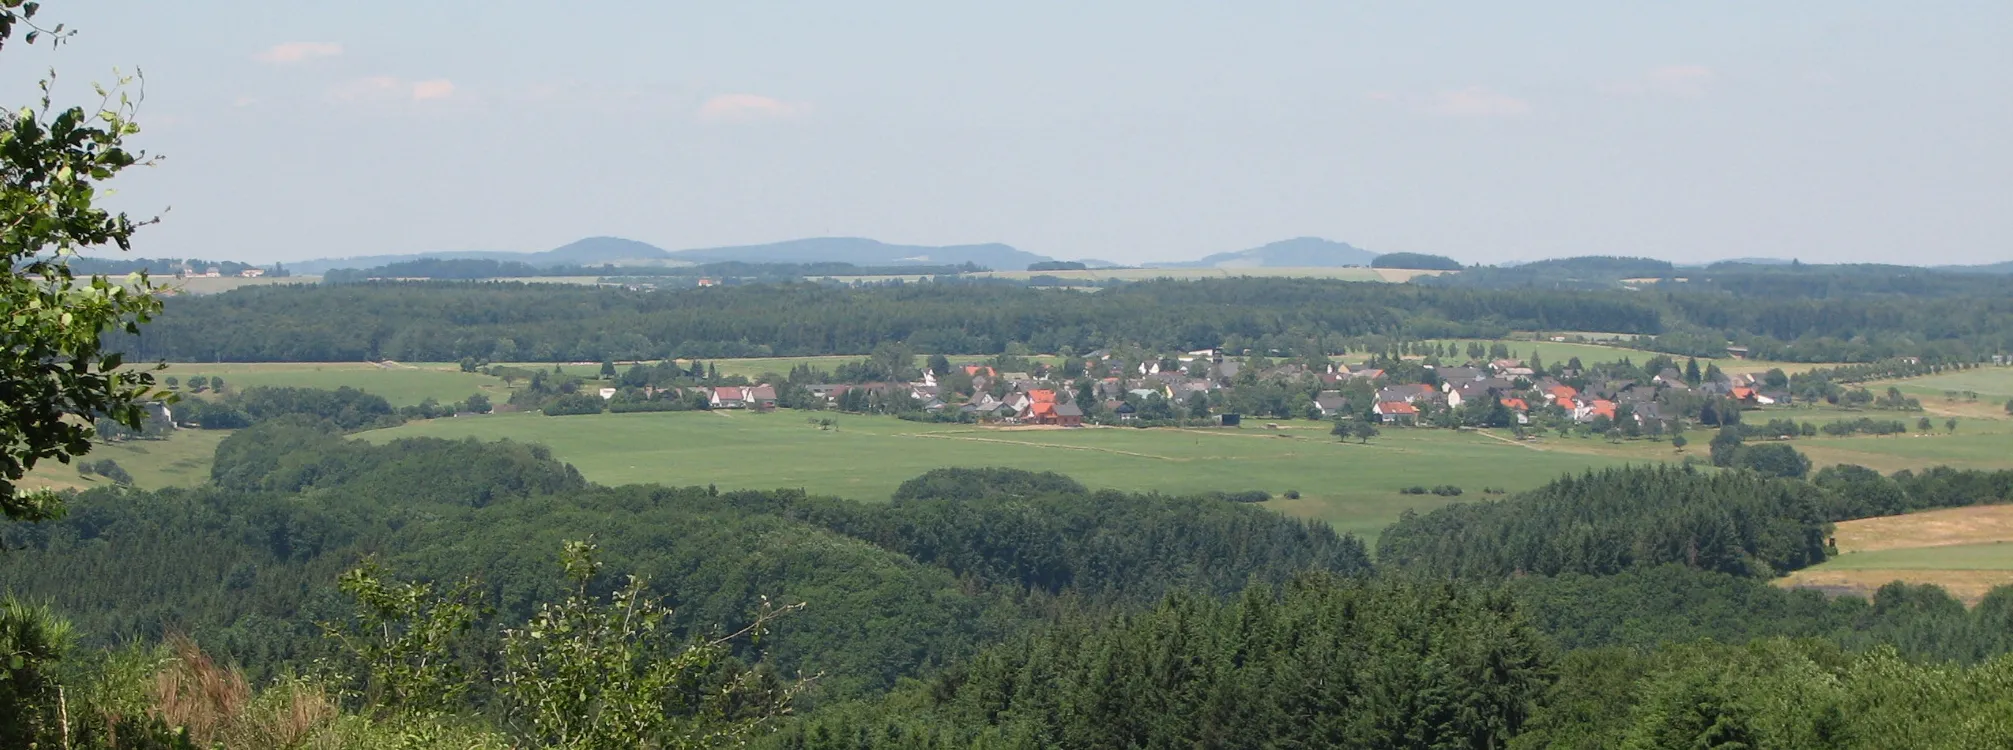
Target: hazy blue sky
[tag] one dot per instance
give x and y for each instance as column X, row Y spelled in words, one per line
column 1832, row 130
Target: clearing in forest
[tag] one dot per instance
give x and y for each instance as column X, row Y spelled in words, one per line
column 1967, row 551
column 1353, row 486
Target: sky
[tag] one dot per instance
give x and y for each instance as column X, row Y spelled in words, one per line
column 1126, row 130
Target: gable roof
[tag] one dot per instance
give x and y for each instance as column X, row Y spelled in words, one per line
column 1396, row 407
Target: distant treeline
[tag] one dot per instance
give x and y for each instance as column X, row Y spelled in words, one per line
column 167, row 266
column 471, row 269
column 447, row 321
column 1416, row 262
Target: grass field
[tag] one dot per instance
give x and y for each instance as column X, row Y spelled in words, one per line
column 1967, row 551
column 1559, row 352
column 182, row 460
column 1994, row 386
column 1353, row 486
column 754, row 366
column 1985, row 556
column 1977, row 444
column 1142, row 274
column 221, row 284
column 402, row 385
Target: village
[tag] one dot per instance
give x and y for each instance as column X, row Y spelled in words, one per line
column 1205, row 387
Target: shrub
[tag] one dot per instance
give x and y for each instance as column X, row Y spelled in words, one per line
column 1293, row 494
column 577, row 403
column 1247, row 496
column 1447, row 490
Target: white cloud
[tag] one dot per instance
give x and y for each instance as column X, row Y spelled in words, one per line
column 737, row 107
column 293, row 52
column 1685, row 81
column 1476, row 101
column 391, row 88
column 438, row 88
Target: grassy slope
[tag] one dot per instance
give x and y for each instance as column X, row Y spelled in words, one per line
column 1967, row 551
column 1985, row 556
column 1556, row 352
column 1352, row 486
column 402, row 385
column 179, row 461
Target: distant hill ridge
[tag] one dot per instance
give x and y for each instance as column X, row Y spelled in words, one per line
column 595, row 251
column 1299, row 252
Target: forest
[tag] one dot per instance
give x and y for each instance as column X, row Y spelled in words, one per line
column 1001, row 608
column 444, row 321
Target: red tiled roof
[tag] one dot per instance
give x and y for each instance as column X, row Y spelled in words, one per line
column 1604, row 408
column 1042, row 396
column 1743, row 393
column 1516, row 403
column 1396, row 407
column 1564, row 392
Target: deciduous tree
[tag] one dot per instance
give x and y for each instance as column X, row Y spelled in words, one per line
column 54, row 375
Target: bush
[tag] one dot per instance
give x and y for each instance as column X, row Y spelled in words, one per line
column 1413, row 490
column 113, row 471
column 1447, row 490
column 1293, row 494
column 1248, row 496
column 1773, row 459
column 576, row 403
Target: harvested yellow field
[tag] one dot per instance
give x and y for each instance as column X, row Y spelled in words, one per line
column 1966, row 551
column 1935, row 528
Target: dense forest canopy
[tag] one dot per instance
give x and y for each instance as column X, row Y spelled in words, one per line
column 1416, row 261
column 1006, row 608
column 444, row 321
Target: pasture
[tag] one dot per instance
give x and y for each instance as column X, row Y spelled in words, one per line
column 1980, row 392
column 1559, row 352
column 1353, row 486
column 752, row 367
column 181, row 460
column 221, row 284
column 1967, row 551
column 401, row 384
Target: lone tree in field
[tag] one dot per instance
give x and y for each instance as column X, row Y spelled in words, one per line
column 54, row 373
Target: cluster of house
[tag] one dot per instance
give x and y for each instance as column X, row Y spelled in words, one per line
column 1519, row 390
column 1038, row 399
column 216, row 272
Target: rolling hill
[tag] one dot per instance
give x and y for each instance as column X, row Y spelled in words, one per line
column 860, row 251
column 1299, row 252
column 594, row 251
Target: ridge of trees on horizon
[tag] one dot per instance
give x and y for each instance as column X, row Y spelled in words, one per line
column 447, row 321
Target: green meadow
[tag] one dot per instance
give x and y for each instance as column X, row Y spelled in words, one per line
column 182, row 460
column 1353, row 486
column 1559, row 352
column 1985, row 556
column 401, row 384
